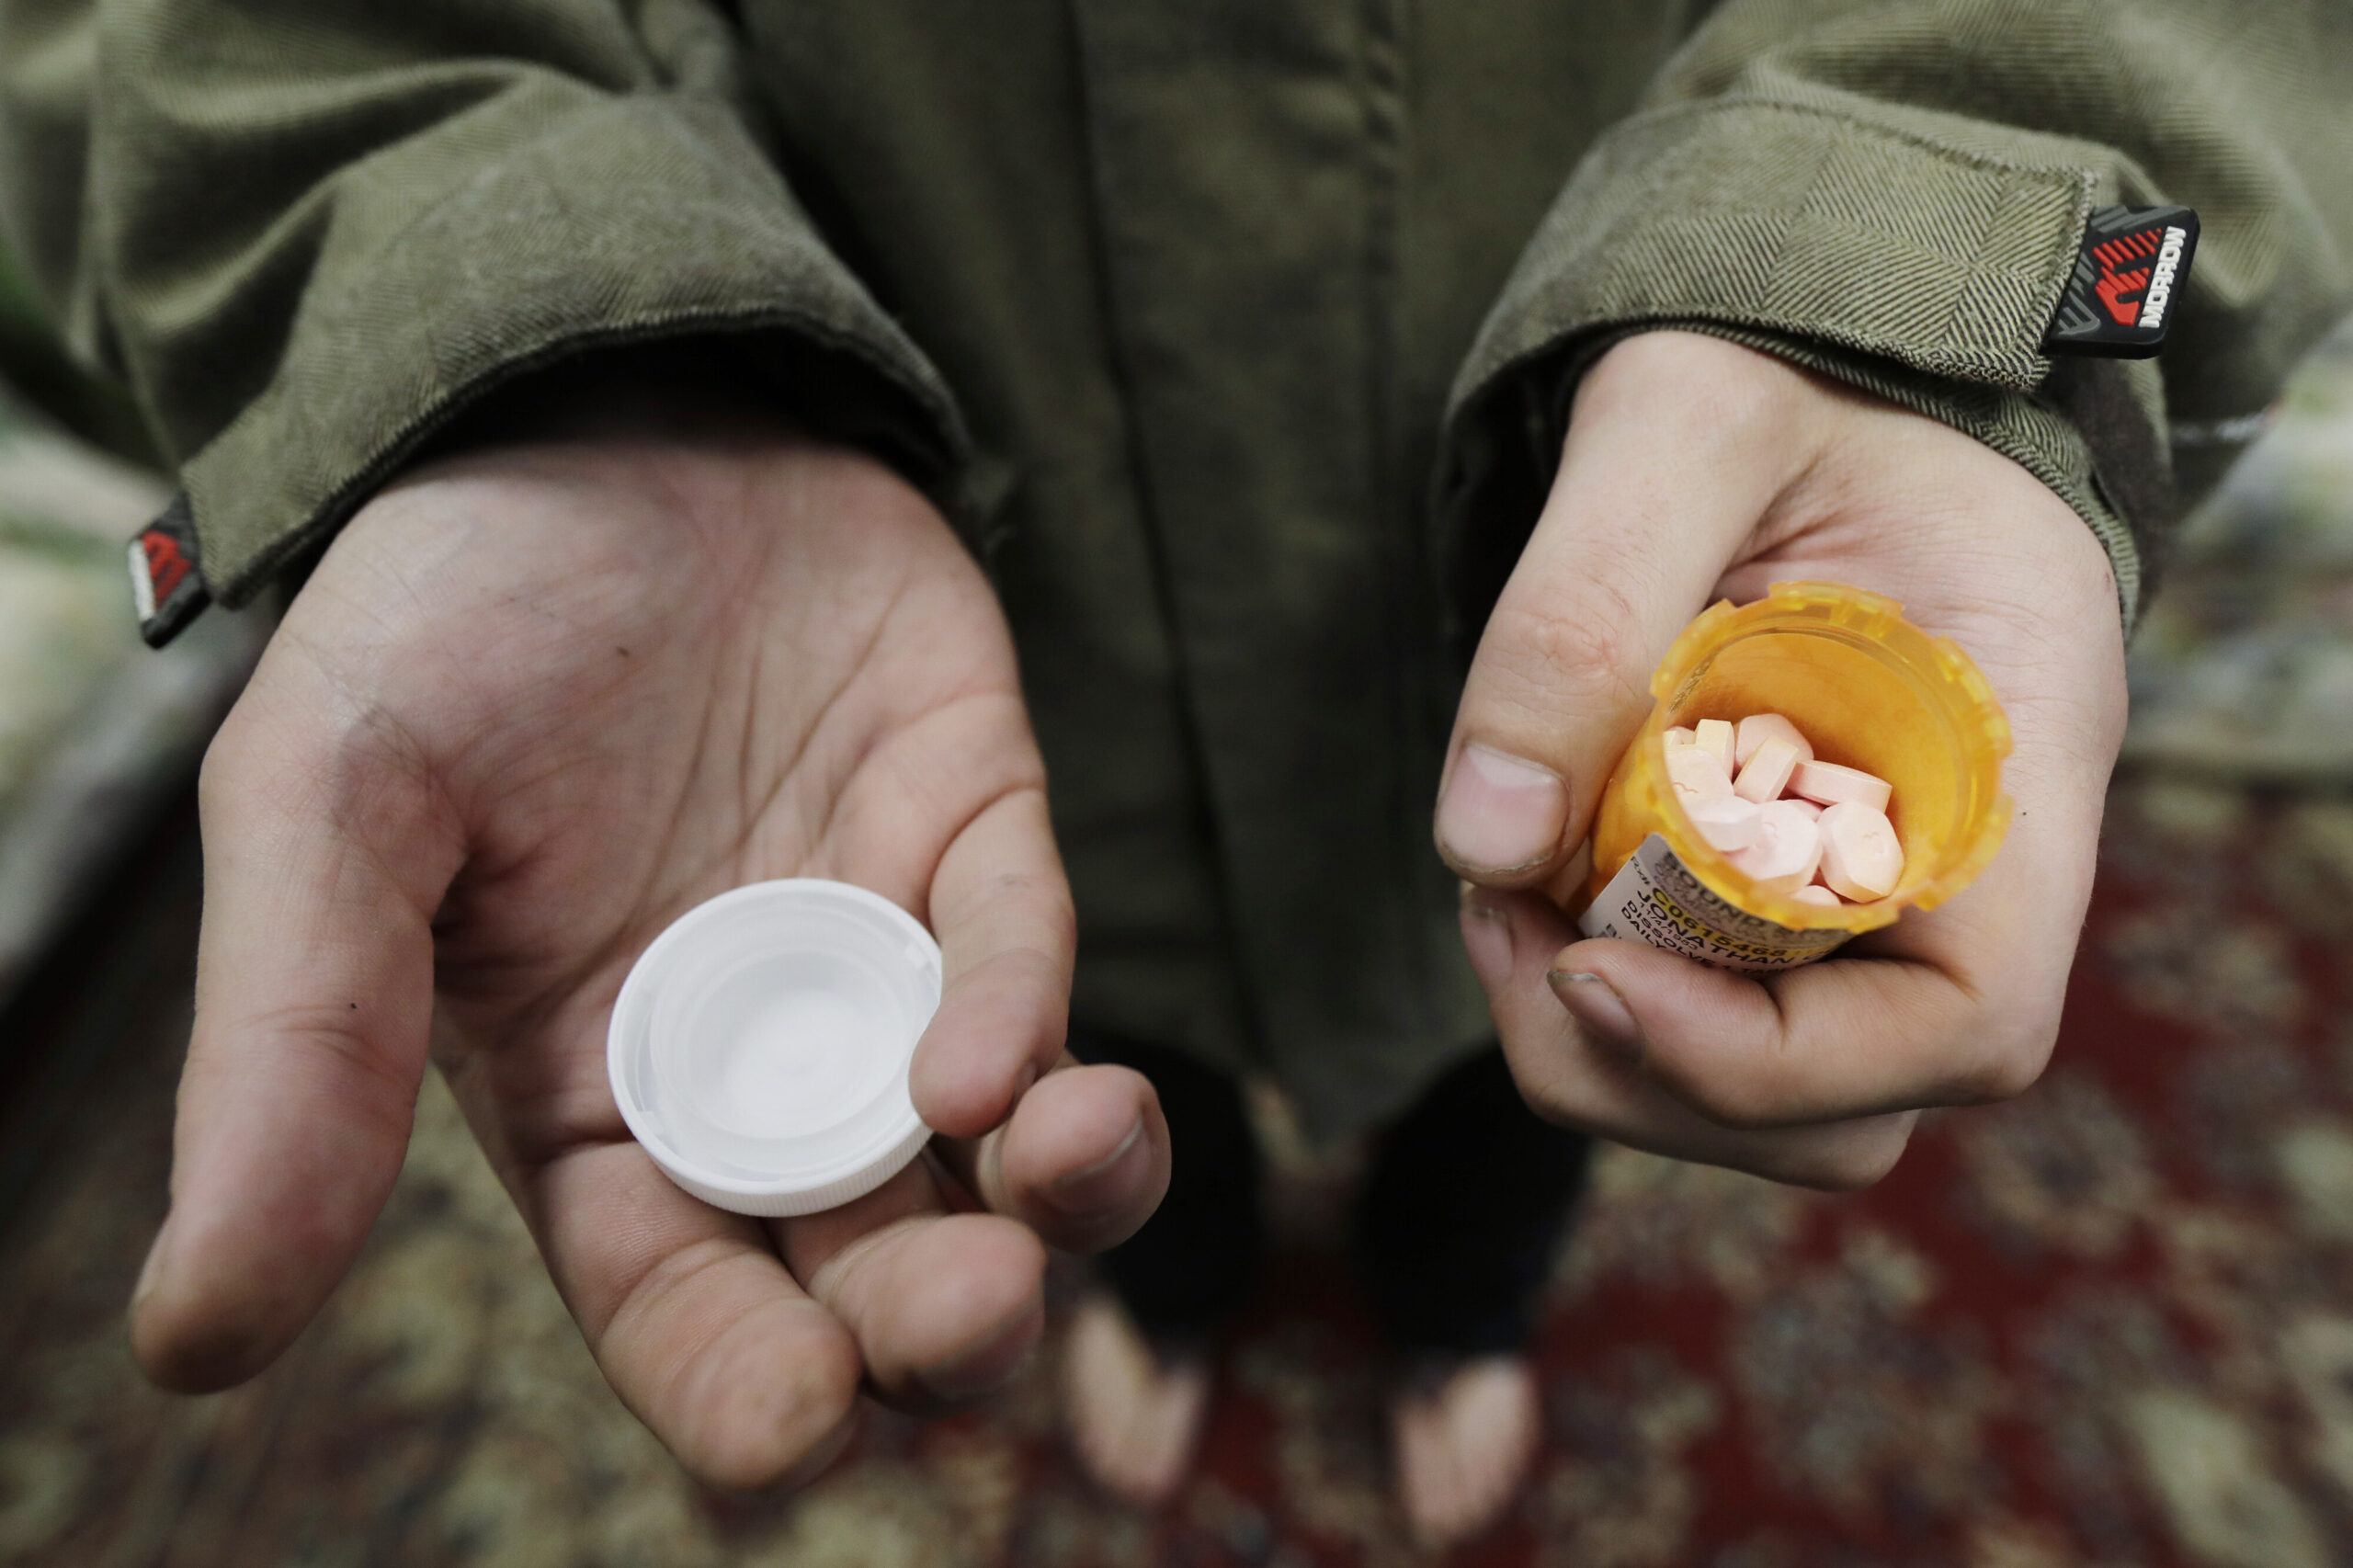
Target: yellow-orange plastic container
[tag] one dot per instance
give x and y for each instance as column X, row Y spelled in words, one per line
column 1870, row 691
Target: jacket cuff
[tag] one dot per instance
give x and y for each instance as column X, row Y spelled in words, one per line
column 1921, row 270
column 629, row 221
column 2086, row 435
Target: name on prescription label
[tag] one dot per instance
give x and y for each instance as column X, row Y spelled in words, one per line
column 1655, row 899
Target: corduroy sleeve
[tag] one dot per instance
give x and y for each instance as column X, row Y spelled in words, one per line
column 306, row 232
column 1892, row 192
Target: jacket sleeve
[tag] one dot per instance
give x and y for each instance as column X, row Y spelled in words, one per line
column 1893, row 191
column 306, row 232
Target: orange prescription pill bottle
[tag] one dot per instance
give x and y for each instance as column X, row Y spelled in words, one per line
column 1869, row 689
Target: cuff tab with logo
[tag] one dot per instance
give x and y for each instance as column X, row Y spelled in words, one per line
column 165, row 586
column 2132, row 267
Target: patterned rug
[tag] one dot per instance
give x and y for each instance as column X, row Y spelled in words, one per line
column 2109, row 1323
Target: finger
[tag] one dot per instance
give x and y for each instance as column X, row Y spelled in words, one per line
column 1676, row 446
column 943, row 1307
column 1001, row 908
column 1846, row 1037
column 324, row 855
column 1085, row 1159
column 694, row 1321
column 1570, row 1076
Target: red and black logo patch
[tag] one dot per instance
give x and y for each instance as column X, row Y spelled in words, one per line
column 2129, row 275
column 165, row 585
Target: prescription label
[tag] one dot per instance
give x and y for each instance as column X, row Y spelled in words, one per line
column 1655, row 899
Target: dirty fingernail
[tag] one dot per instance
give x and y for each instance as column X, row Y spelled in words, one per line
column 1598, row 1011
column 1501, row 813
column 1103, row 1185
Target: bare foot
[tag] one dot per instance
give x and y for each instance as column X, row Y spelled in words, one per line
column 1463, row 1443
column 1134, row 1418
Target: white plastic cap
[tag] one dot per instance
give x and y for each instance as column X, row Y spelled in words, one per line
column 760, row 1047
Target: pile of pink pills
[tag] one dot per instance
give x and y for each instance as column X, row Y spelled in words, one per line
column 1812, row 831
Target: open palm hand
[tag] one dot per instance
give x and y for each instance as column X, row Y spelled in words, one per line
column 537, row 701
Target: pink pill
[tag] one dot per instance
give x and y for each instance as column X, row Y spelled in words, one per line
column 1788, row 848
column 1768, row 771
column 1808, row 806
column 1758, row 728
column 1829, row 784
column 1861, row 856
column 1727, row 824
column 1715, row 736
column 1696, row 776
column 1679, row 735
column 1814, row 892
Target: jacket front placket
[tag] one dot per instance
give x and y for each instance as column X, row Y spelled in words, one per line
column 1245, row 157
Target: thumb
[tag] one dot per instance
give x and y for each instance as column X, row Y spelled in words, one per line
column 1677, row 446
column 324, row 861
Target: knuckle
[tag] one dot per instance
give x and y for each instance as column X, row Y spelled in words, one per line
column 1736, row 1107
column 1550, row 657
column 1547, row 1103
column 1998, row 1048
column 1748, row 1093
column 1849, row 1175
column 372, row 1072
column 352, row 760
column 238, row 759
column 1541, row 1088
column 217, row 781
column 1852, row 1165
column 2008, row 1068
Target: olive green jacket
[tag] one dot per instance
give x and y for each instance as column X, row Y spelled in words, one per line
column 1237, row 334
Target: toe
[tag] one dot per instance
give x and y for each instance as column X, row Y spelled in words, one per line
column 1464, row 1448
column 1135, row 1421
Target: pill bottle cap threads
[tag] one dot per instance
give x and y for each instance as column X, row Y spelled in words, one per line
column 760, row 1047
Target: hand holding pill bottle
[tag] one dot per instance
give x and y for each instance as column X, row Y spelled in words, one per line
column 1694, row 472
